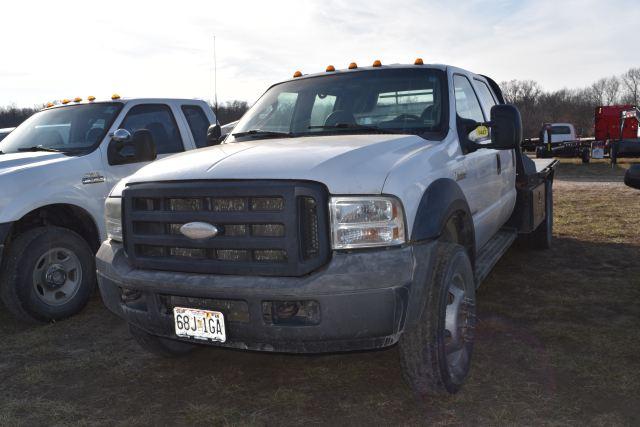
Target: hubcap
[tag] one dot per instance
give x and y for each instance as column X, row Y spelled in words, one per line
column 57, row 276
column 459, row 327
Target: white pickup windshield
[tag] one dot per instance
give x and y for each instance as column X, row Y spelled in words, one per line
column 70, row 129
column 395, row 100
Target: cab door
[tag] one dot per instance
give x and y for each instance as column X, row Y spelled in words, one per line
column 157, row 118
column 506, row 166
column 481, row 185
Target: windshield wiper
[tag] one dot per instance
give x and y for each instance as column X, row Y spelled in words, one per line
column 40, row 148
column 355, row 126
column 258, row 132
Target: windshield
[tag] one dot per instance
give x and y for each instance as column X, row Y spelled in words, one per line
column 386, row 100
column 72, row 129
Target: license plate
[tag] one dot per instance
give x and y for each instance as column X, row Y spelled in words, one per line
column 199, row 324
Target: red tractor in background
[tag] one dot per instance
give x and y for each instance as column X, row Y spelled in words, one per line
column 607, row 122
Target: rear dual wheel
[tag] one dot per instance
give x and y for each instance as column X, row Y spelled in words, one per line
column 435, row 354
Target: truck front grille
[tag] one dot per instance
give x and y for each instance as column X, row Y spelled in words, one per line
column 264, row 227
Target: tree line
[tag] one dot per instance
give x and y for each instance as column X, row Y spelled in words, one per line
column 536, row 105
column 227, row 112
column 576, row 106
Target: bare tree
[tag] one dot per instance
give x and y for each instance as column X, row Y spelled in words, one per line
column 598, row 90
column 631, row 81
column 611, row 90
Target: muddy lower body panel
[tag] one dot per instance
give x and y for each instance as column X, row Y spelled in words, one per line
column 360, row 300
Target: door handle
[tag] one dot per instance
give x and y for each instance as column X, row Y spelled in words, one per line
column 498, row 163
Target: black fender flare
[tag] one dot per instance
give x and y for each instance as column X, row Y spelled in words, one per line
column 440, row 201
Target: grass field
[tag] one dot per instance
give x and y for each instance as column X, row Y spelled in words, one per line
column 557, row 343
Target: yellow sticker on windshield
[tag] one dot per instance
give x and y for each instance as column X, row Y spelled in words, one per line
column 482, row 131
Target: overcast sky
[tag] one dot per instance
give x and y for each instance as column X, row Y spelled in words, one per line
column 55, row 49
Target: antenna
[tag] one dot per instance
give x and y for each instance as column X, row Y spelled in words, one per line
column 215, row 79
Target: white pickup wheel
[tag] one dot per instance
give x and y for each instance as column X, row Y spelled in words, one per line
column 49, row 274
column 436, row 352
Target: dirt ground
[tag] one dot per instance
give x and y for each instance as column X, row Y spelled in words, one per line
column 557, row 343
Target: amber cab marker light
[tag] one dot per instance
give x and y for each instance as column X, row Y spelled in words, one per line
column 297, row 74
column 77, row 99
column 49, row 104
column 377, row 63
column 115, row 96
column 418, row 62
column 353, row 66
column 91, row 98
column 65, row 101
column 330, row 68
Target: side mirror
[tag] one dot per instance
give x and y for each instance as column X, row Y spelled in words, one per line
column 125, row 149
column 632, row 177
column 506, row 127
column 214, row 134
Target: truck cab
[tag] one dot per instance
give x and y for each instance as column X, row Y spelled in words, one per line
column 347, row 210
column 559, row 132
column 57, row 169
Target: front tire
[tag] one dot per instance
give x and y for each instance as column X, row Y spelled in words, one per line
column 49, row 274
column 435, row 354
column 160, row 346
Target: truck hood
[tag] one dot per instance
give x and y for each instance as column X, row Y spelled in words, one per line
column 13, row 162
column 346, row 164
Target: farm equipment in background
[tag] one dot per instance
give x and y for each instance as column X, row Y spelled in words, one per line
column 628, row 143
column 560, row 140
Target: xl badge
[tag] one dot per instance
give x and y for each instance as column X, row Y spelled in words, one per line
column 199, row 230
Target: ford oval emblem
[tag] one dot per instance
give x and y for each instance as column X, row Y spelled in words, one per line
column 199, row 230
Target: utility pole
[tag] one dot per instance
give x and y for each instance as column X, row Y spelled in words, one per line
column 215, row 78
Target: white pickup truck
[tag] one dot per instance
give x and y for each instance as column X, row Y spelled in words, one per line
column 348, row 210
column 56, row 169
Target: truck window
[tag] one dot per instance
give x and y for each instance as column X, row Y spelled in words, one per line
column 398, row 100
column 322, row 107
column 71, row 129
column 486, row 97
column 159, row 120
column 560, row 130
column 198, row 124
column 467, row 104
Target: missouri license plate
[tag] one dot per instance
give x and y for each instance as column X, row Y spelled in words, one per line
column 199, row 324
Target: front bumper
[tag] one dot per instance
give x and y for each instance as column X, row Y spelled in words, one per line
column 366, row 299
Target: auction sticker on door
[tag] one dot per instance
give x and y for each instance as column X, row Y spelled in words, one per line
column 199, row 324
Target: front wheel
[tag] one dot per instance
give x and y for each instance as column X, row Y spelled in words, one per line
column 49, row 274
column 435, row 354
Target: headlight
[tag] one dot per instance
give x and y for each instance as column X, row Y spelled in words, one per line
column 113, row 218
column 361, row 222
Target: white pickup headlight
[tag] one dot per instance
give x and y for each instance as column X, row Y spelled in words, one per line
column 361, row 222
column 113, row 218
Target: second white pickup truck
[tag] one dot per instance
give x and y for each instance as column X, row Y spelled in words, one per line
column 347, row 210
column 56, row 170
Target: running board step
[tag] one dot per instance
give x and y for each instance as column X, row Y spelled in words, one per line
column 492, row 251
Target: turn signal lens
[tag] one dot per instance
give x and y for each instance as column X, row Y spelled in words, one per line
column 115, row 96
column 353, row 66
column 418, row 61
column 297, row 74
column 377, row 63
column 113, row 218
column 330, row 68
